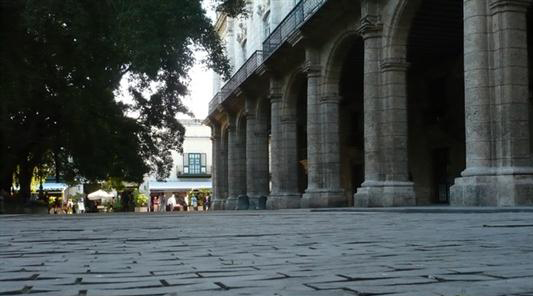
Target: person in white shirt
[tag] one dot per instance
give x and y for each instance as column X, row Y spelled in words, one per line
column 81, row 206
column 171, row 203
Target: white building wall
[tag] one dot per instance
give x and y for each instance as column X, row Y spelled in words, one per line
column 273, row 11
column 197, row 140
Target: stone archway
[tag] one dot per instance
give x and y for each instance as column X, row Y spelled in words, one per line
column 262, row 171
column 344, row 82
column 435, row 99
column 294, row 130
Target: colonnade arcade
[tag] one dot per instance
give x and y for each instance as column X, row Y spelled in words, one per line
column 396, row 103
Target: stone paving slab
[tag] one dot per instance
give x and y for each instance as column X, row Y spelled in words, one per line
column 291, row 252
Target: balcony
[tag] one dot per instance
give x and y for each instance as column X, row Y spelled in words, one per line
column 289, row 25
column 201, row 172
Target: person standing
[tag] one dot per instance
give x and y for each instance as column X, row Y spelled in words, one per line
column 194, row 203
column 171, row 203
column 207, row 203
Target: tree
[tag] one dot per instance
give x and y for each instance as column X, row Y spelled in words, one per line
column 61, row 62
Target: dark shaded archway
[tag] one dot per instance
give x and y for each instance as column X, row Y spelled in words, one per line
column 435, row 91
column 351, row 129
column 294, row 126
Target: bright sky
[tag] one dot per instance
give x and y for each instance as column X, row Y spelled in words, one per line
column 200, row 88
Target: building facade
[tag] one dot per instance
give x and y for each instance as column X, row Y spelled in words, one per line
column 192, row 168
column 375, row 103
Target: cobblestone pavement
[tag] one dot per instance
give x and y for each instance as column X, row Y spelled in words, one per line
column 294, row 252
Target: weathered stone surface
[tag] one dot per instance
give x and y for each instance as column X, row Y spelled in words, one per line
column 402, row 251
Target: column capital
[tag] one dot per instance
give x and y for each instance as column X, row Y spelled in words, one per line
column 311, row 69
column 394, row 64
column 499, row 6
column 370, row 26
column 274, row 98
column 249, row 115
column 215, row 132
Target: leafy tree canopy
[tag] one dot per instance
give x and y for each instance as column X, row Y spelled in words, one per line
column 61, row 62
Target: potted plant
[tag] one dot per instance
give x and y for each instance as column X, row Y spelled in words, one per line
column 141, row 201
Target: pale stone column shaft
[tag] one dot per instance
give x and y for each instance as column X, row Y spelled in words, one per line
column 251, row 156
column 477, row 89
column 511, row 84
column 215, row 162
column 331, row 146
column 394, row 125
column 312, row 68
column 221, row 172
column 275, row 143
column 372, row 106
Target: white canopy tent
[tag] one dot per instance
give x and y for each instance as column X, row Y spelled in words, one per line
column 100, row 194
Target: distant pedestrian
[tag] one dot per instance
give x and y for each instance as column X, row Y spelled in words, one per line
column 171, row 203
column 194, row 203
column 81, row 206
column 207, row 203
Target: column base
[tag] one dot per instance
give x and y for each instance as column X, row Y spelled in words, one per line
column 492, row 190
column 385, row 194
column 218, row 204
column 323, row 198
column 284, row 201
column 257, row 202
column 234, row 203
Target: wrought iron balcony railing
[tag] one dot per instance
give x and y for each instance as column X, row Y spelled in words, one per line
column 290, row 24
column 254, row 61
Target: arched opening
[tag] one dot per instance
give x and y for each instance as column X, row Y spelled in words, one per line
column 351, row 114
column 301, row 134
column 435, row 90
column 263, row 136
column 241, row 159
column 294, row 125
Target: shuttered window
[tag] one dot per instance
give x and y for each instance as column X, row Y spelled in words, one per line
column 194, row 163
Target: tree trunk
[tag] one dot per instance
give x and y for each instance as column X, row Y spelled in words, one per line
column 26, row 174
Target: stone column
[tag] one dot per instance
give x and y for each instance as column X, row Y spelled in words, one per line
column 468, row 189
column 275, row 142
column 385, row 121
column 509, row 179
column 261, row 177
column 312, row 195
column 251, row 159
column 241, row 164
column 221, row 172
column 332, row 193
column 233, row 169
column 397, row 189
column 215, row 176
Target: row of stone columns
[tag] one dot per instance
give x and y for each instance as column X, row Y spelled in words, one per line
column 499, row 169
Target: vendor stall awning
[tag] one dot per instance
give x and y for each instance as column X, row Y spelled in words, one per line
column 179, row 185
column 53, row 186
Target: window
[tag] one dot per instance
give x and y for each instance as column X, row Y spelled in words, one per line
column 266, row 25
column 194, row 163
